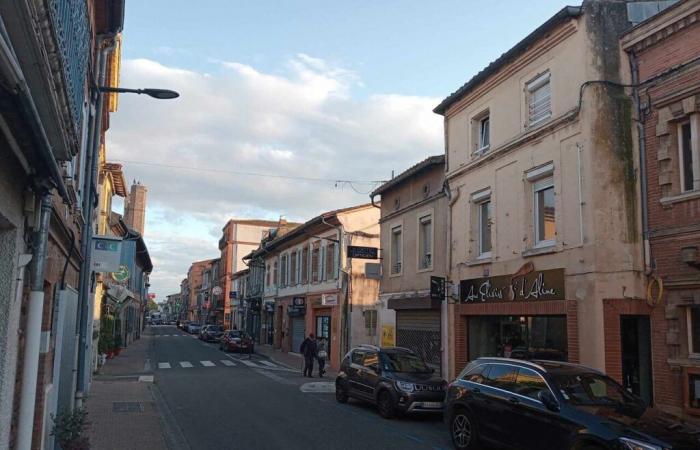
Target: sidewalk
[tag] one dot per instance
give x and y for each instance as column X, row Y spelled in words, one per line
column 290, row 360
column 122, row 407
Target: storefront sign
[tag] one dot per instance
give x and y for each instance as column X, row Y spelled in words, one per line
column 437, row 288
column 362, row 252
column 298, row 301
column 296, row 311
column 388, row 336
column 329, row 299
column 106, row 253
column 533, row 286
column 232, row 294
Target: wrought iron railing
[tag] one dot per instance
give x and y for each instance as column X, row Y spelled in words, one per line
column 72, row 29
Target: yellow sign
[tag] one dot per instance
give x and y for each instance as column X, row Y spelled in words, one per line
column 388, row 336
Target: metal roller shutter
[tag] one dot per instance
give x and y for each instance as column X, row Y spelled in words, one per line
column 419, row 330
column 298, row 332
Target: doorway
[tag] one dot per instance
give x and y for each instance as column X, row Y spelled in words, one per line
column 635, row 337
column 323, row 329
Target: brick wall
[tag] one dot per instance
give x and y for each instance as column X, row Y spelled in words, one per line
column 679, row 47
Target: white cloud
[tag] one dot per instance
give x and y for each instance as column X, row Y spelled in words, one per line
column 304, row 121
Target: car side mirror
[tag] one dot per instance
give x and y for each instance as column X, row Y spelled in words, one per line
column 548, row 400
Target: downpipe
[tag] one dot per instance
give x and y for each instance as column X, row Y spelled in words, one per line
column 35, row 311
column 344, row 279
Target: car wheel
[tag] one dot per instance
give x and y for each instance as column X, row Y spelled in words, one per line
column 463, row 431
column 385, row 405
column 341, row 393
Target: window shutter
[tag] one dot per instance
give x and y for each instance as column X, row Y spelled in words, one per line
column 322, row 264
column 336, row 260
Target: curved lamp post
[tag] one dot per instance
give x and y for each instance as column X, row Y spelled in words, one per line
column 160, row 94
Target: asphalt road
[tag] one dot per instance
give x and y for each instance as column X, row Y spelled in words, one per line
column 213, row 400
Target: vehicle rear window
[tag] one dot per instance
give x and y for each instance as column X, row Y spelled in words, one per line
column 529, row 383
column 476, row 374
column 501, row 376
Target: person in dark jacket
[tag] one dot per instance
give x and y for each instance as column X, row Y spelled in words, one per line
column 309, row 350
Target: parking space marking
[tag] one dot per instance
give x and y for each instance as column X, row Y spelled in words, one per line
column 185, row 364
column 164, row 365
column 207, row 363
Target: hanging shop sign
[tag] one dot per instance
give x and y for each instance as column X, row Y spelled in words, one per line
column 299, row 301
column 216, row 290
column 329, row 299
column 121, row 275
column 106, row 253
column 355, row 251
column 537, row 285
column 437, row 288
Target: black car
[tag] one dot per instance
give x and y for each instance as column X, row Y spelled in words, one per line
column 553, row 405
column 210, row 333
column 395, row 379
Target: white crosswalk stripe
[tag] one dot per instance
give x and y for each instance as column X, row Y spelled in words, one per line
column 268, row 363
column 249, row 363
column 185, row 364
column 227, row 362
column 164, row 365
column 207, row 363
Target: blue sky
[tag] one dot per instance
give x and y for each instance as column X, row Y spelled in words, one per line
column 317, row 89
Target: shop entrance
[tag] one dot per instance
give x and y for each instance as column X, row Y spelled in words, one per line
column 636, row 356
column 323, row 329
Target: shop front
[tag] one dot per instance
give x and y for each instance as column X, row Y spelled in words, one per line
column 418, row 326
column 267, row 330
column 525, row 315
column 324, row 321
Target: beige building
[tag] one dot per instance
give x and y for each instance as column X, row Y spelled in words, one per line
column 135, row 207
column 413, row 227
column 544, row 210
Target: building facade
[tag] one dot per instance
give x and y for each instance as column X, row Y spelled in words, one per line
column 544, row 210
column 413, row 225
column 663, row 56
column 195, row 278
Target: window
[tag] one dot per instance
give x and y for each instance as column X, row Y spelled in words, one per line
column 501, row 376
column 358, row 357
column 539, row 99
column 396, row 254
column 484, row 228
column 370, row 316
column 545, row 225
column 284, row 279
column 371, row 358
column 275, row 274
column 330, row 261
column 529, row 383
column 689, row 157
column 477, row 375
column 315, row 260
column 484, row 135
column 305, row 265
column 425, row 242
column 694, row 332
column 293, row 268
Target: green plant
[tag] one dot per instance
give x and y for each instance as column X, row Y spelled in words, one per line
column 69, row 427
column 106, row 342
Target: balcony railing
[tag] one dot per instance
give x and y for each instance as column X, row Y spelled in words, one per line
column 72, row 29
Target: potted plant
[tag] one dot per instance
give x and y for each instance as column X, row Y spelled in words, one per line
column 69, row 428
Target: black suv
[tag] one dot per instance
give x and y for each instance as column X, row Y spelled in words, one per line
column 553, row 405
column 395, row 379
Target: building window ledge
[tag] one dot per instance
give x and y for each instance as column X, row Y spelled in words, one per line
column 691, row 195
column 543, row 250
column 479, row 261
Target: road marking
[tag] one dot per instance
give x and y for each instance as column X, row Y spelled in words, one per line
column 164, row 365
column 227, row 363
column 146, row 378
column 318, row 387
column 276, row 378
column 207, row 363
column 185, row 364
column 249, row 363
column 268, row 363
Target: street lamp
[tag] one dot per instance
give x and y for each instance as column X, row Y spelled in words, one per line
column 160, row 94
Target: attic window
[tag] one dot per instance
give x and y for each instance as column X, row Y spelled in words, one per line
column 397, row 203
column 426, row 190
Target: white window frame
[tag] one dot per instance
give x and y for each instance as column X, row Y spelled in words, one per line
column 694, row 123
column 480, row 119
column 533, row 86
column 419, row 257
column 692, row 352
column 541, row 185
column 392, row 263
column 480, row 230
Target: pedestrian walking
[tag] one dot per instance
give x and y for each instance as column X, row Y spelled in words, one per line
column 322, row 355
column 309, row 349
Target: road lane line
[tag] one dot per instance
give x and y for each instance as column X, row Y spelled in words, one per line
column 185, row 364
column 207, row 363
column 227, row 363
column 164, row 365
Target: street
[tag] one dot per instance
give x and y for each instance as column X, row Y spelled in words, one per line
column 219, row 400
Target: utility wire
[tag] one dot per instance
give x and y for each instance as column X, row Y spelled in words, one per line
column 250, row 174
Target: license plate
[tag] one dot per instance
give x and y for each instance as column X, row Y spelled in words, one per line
column 432, row 404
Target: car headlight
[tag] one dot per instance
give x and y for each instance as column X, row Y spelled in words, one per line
column 633, row 444
column 404, row 386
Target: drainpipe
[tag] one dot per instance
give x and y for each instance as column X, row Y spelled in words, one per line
column 634, row 69
column 444, row 313
column 346, row 310
column 32, row 333
column 89, row 199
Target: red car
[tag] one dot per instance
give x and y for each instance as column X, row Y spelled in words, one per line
column 236, row 341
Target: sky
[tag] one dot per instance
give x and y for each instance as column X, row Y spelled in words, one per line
column 288, row 108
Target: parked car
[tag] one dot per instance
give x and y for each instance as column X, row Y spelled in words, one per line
column 395, row 379
column 523, row 404
column 236, row 341
column 183, row 324
column 211, row 333
column 193, row 328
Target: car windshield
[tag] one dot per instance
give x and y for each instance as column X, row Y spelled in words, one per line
column 214, row 328
column 592, row 389
column 404, row 362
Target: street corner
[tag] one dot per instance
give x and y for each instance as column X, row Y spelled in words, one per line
column 318, row 387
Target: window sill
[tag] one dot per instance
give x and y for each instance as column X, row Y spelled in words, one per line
column 690, row 195
column 480, row 151
column 427, row 269
column 394, row 275
column 538, row 122
column 541, row 250
column 479, row 261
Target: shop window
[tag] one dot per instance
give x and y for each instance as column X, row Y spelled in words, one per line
column 425, row 242
column 396, row 253
column 524, row 337
column 694, row 332
column 370, row 316
column 539, row 99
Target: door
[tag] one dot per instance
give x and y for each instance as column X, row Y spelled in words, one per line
column 497, row 417
column 635, row 337
column 323, row 329
column 369, row 374
column 354, row 372
column 298, row 333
